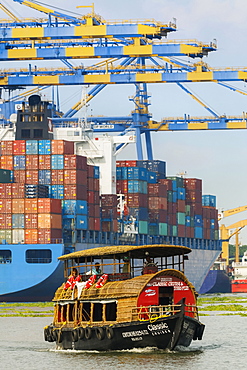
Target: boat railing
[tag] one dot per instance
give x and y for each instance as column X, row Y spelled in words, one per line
column 191, row 310
column 153, row 313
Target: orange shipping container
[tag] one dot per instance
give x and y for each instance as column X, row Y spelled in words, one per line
column 78, row 177
column 32, row 177
column 5, row 191
column 17, row 205
column 47, row 205
column 31, row 205
column 57, row 177
column 48, row 236
column 20, row 176
column 7, row 147
column 7, row 162
column 62, row 147
column 31, row 221
column 5, row 221
column 5, row 205
column 18, row 190
column 32, row 162
column 49, row 221
column 31, row 236
column 44, row 162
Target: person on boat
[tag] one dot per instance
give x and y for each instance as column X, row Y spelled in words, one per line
column 96, row 270
column 126, row 266
column 72, row 279
column 149, row 266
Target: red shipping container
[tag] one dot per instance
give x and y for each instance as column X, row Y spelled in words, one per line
column 32, row 177
column 181, row 231
column 31, row 220
column 108, row 200
column 17, row 205
column 20, row 176
column 157, row 215
column 188, row 231
column 90, row 184
column 91, row 223
column 193, row 184
column 90, row 197
column 196, row 209
column 90, row 171
column 5, row 221
column 172, row 219
column 19, row 147
column 49, row 221
column 49, row 236
column 166, row 182
column 130, row 163
column 7, row 147
column 120, row 164
column 96, row 198
column 75, row 162
column 109, row 212
column 106, row 226
column 193, row 196
column 7, row 162
column 62, row 147
column 75, row 192
column 96, row 185
column 115, row 226
column 44, row 162
column 137, row 200
column 47, row 205
column 96, row 211
column 180, row 205
column 157, row 203
column 18, row 190
column 157, row 190
column 32, row 162
column 91, row 210
column 31, row 236
column 31, row 205
column 97, row 224
column 79, row 177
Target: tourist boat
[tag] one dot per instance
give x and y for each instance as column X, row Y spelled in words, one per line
column 130, row 304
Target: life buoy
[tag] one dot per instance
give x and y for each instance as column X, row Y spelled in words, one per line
column 109, row 332
column 102, row 280
column 74, row 335
column 81, row 333
column 90, row 282
column 100, row 334
column 88, row 332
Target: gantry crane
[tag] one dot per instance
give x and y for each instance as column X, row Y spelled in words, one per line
column 131, row 53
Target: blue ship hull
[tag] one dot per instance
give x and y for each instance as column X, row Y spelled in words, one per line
column 217, row 281
column 22, row 281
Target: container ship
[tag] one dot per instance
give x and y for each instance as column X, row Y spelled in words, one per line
column 62, row 190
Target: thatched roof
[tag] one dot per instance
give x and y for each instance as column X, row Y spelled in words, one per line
column 134, row 251
column 120, row 289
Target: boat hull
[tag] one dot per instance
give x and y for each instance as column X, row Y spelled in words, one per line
column 239, row 286
column 164, row 333
column 217, row 281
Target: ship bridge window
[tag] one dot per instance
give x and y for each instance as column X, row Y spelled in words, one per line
column 98, row 312
column 37, row 133
column 5, row 256
column 111, row 311
column 25, row 134
column 38, row 256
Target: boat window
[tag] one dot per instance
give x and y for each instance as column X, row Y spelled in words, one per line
column 5, row 256
column 98, row 312
column 37, row 133
column 25, row 134
column 86, row 311
column 111, row 311
column 71, row 310
column 38, row 256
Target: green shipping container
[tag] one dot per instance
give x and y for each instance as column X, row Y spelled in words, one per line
column 169, row 195
column 174, row 231
column 143, row 227
column 216, row 234
column 5, row 176
column 187, row 210
column 179, row 181
column 181, row 218
column 163, row 229
column 153, row 229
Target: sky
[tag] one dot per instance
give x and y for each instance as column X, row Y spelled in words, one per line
column 219, row 158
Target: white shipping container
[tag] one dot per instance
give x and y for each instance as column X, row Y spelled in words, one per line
column 18, row 236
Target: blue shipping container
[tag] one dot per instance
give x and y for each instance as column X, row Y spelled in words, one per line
column 32, row 147
column 77, row 207
column 96, row 172
column 181, row 193
column 18, row 221
column 44, row 177
column 137, row 173
column 198, row 232
column 57, row 191
column 119, row 173
column 152, row 177
column 198, row 220
column 209, row 200
column 19, row 162
column 45, row 147
column 57, row 162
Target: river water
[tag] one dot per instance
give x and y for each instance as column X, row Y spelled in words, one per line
column 223, row 347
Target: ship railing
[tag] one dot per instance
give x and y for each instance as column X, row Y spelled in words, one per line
column 191, row 310
column 153, row 313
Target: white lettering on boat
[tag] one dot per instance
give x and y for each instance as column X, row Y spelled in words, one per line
column 135, row 333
